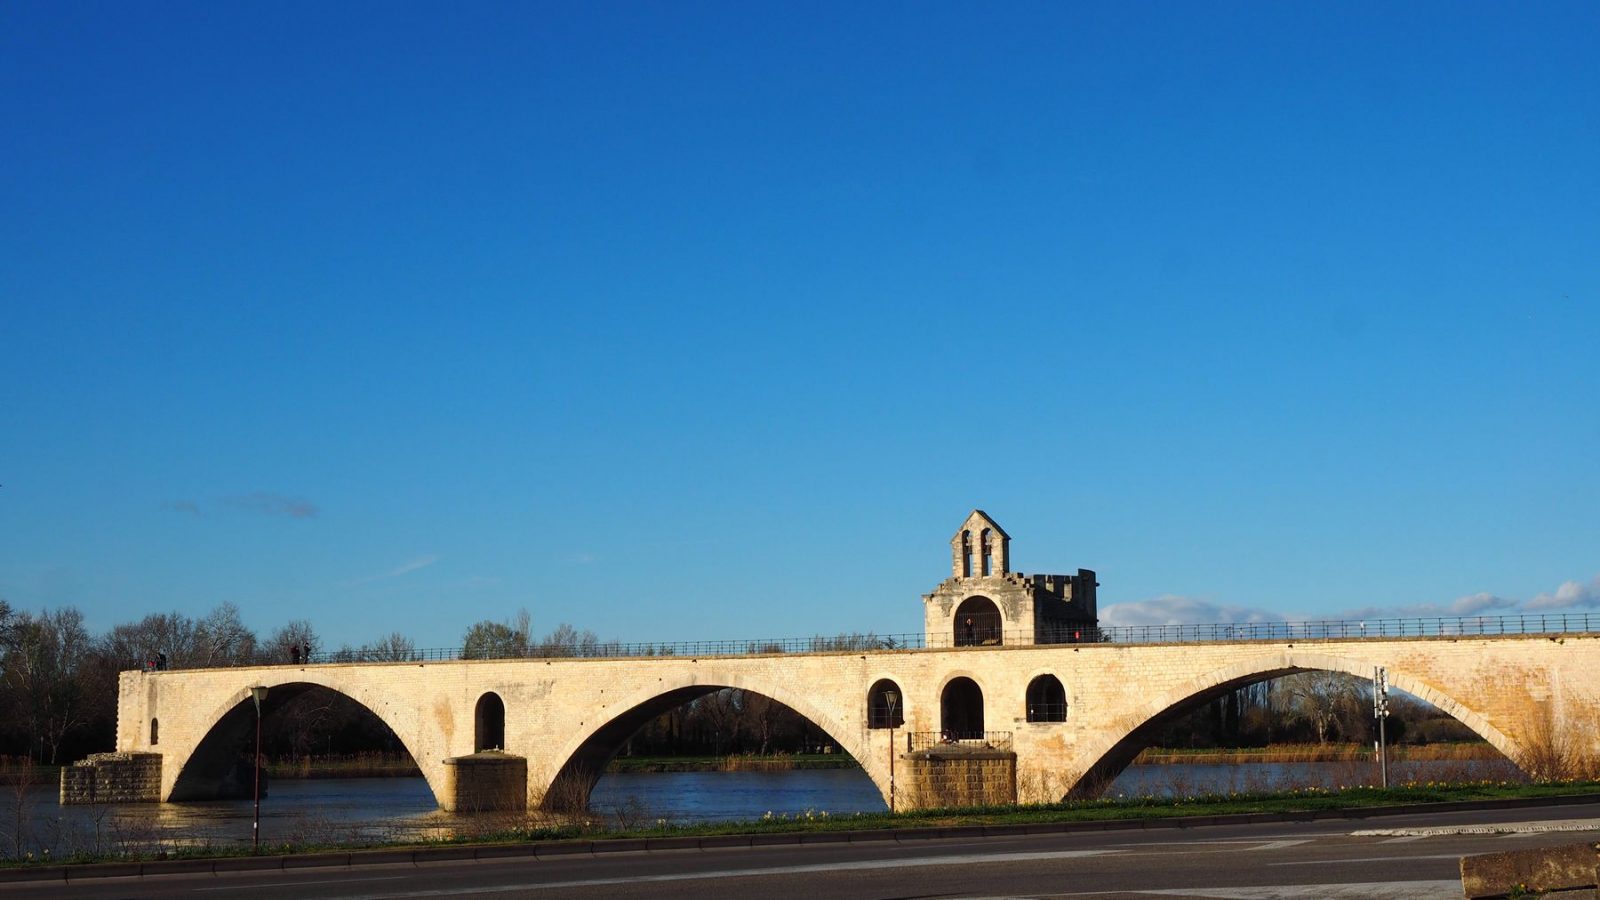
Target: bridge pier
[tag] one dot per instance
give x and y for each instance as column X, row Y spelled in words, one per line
column 487, row 781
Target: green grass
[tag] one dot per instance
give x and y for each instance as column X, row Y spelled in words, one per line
column 1305, row 800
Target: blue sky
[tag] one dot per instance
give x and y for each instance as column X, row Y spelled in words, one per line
column 680, row 321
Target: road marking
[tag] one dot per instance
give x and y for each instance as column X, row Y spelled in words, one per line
column 1275, row 845
column 967, row 859
column 1374, row 890
column 1365, row 859
column 1501, row 828
column 279, row 882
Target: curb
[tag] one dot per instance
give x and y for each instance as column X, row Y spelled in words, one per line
column 538, row 850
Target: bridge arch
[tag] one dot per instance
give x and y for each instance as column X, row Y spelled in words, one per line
column 205, row 767
column 1110, row 755
column 578, row 764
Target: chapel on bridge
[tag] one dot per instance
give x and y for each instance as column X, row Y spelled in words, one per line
column 984, row 603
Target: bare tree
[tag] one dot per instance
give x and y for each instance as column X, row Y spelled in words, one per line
column 1329, row 702
column 221, row 638
column 44, row 677
column 393, row 647
column 567, row 641
column 293, row 640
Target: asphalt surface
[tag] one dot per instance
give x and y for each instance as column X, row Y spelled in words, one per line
column 1405, row 856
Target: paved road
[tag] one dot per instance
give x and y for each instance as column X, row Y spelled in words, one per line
column 1414, row 856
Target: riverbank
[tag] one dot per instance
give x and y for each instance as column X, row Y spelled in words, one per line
column 1297, row 753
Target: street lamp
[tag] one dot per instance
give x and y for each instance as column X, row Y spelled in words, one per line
column 1380, row 711
column 257, row 693
column 890, row 698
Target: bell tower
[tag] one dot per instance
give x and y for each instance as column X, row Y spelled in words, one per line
column 980, row 548
column 985, row 603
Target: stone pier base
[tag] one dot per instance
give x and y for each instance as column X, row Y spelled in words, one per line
column 489, row 781
column 960, row 776
column 112, row 778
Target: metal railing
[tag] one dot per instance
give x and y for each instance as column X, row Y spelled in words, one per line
column 957, row 740
column 1047, row 712
column 1411, row 627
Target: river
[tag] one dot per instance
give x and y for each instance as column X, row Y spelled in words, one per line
column 363, row 810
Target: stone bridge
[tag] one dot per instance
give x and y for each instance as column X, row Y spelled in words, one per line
column 556, row 722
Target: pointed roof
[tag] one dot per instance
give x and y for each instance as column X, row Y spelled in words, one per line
column 981, row 519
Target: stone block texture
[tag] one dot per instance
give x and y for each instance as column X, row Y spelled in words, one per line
column 112, row 778
column 935, row 779
column 484, row 782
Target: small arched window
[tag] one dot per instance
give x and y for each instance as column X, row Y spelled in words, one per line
column 1047, row 700
column 489, row 723
column 155, row 732
column 988, row 554
column 886, row 705
column 966, row 554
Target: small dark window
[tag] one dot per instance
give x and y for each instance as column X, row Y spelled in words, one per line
column 1047, row 700
column 966, row 554
column 988, row 554
column 886, row 705
column 155, row 732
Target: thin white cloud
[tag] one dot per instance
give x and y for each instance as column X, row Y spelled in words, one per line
column 405, row 568
column 1173, row 609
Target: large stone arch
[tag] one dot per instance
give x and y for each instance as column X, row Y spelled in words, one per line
column 1113, row 752
column 578, row 764
column 201, row 765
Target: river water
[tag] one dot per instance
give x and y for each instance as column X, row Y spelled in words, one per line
column 363, row 810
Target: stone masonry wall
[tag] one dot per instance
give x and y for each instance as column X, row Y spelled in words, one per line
column 970, row 778
column 112, row 778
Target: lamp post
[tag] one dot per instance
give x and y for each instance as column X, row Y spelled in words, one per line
column 890, row 698
column 1380, row 711
column 257, row 693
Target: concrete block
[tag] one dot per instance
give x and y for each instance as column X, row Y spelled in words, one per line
column 1571, row 867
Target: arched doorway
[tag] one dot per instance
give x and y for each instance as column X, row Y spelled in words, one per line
column 961, row 710
column 886, row 705
column 977, row 623
column 1047, row 700
column 489, row 723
